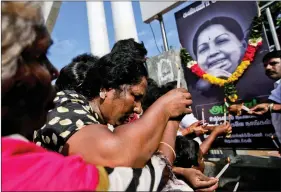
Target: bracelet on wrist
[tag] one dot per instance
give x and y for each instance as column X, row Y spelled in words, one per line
column 169, row 146
column 270, row 107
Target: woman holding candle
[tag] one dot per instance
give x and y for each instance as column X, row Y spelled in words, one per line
column 193, row 127
column 189, row 163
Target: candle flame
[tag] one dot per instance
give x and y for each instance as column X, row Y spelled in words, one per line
column 272, row 137
column 228, row 160
column 178, row 66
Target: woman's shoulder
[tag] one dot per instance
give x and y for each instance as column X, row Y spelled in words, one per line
column 69, row 96
column 71, row 113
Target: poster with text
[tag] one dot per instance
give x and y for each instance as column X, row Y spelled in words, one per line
column 215, row 34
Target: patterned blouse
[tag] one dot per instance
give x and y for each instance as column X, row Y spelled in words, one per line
column 72, row 112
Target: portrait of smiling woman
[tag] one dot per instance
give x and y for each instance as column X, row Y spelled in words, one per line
column 218, row 46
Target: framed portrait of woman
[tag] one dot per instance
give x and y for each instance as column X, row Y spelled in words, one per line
column 215, row 34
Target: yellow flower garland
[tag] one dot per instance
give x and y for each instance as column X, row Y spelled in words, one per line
column 234, row 77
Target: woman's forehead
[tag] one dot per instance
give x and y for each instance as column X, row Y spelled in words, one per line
column 140, row 88
column 212, row 32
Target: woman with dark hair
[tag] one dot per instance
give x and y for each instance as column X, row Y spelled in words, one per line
column 219, row 46
column 72, row 75
column 111, row 92
column 130, row 45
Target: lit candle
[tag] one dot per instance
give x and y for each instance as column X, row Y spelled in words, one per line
column 179, row 76
column 203, row 117
column 228, row 135
column 226, row 103
column 276, row 145
column 245, row 108
column 224, row 118
column 236, row 187
column 224, row 168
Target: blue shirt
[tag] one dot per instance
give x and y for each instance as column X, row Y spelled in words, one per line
column 276, row 117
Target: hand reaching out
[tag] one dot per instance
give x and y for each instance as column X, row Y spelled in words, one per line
column 197, row 180
column 198, row 128
column 223, row 129
column 260, row 109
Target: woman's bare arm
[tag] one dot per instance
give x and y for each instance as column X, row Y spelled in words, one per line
column 218, row 130
column 169, row 137
column 130, row 144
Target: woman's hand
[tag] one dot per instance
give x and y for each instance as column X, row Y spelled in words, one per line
column 218, row 72
column 196, row 179
column 198, row 128
column 223, row 129
column 176, row 102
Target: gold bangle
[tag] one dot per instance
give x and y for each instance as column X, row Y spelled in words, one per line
column 169, row 147
column 159, row 151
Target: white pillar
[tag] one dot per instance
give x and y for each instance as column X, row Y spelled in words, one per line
column 124, row 20
column 50, row 10
column 46, row 9
column 97, row 28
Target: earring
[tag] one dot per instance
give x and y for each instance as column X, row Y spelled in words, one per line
column 102, row 94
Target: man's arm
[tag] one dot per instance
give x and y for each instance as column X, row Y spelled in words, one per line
column 263, row 108
column 276, row 108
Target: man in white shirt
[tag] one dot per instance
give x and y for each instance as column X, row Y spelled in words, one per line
column 272, row 65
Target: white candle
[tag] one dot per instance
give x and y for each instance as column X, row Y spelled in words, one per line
column 224, row 118
column 236, row 187
column 179, row 79
column 222, row 171
column 203, row 117
column 228, row 135
column 225, row 102
column 276, row 145
column 179, row 76
column 245, row 108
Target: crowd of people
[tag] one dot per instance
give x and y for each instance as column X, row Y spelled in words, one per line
column 104, row 125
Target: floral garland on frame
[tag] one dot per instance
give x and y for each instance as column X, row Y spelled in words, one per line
column 254, row 42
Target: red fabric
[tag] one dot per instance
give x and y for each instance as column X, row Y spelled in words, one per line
column 133, row 118
column 26, row 166
column 250, row 53
column 197, row 70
